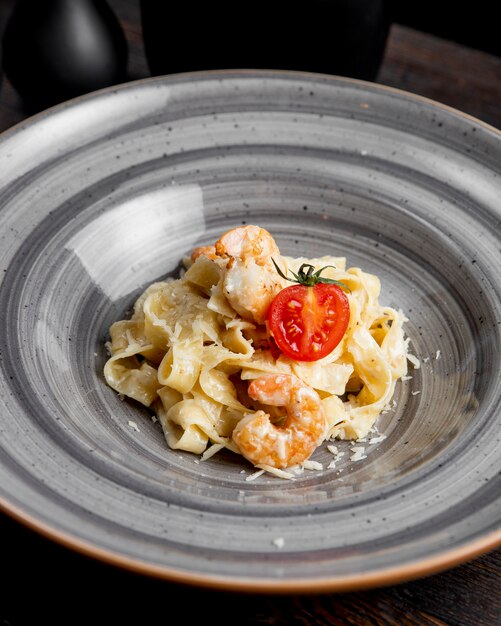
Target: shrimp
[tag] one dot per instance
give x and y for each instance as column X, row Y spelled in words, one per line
column 304, row 429
column 208, row 251
column 248, row 243
column 250, row 280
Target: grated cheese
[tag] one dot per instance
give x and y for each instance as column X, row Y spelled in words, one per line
column 375, row 440
column 216, row 447
column 414, row 360
column 279, row 542
column 133, row 425
column 255, row 475
column 312, row 465
column 358, row 453
column 275, row 471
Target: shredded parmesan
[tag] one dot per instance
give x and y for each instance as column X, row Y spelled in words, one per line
column 133, row 425
column 415, row 393
column 216, row 447
column 358, row 453
column 312, row 465
column 437, row 355
column 254, row 475
column 279, row 542
column 275, row 471
column 414, row 360
column 375, row 440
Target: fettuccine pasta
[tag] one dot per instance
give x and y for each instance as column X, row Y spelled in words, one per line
column 194, row 345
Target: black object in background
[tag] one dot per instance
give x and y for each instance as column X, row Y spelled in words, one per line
column 57, row 49
column 1, row 67
column 344, row 37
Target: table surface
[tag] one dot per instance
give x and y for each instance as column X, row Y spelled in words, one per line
column 35, row 572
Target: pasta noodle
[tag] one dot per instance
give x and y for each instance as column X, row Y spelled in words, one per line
column 190, row 356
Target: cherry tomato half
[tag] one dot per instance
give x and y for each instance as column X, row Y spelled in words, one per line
column 308, row 322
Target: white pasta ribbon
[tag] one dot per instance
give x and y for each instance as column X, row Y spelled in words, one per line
column 393, row 344
column 204, row 273
column 375, row 372
column 216, row 385
column 185, row 426
column 335, row 412
column 131, row 378
column 180, row 367
column 330, row 377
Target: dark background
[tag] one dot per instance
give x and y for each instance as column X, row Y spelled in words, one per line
column 473, row 25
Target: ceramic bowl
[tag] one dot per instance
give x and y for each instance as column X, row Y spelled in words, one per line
column 103, row 195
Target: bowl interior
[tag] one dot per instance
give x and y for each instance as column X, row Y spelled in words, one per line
column 328, row 173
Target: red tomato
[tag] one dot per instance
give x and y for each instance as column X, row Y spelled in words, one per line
column 308, row 322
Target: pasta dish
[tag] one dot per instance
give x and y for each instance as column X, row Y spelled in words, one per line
column 265, row 355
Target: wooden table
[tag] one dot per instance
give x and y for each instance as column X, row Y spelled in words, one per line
column 37, row 575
